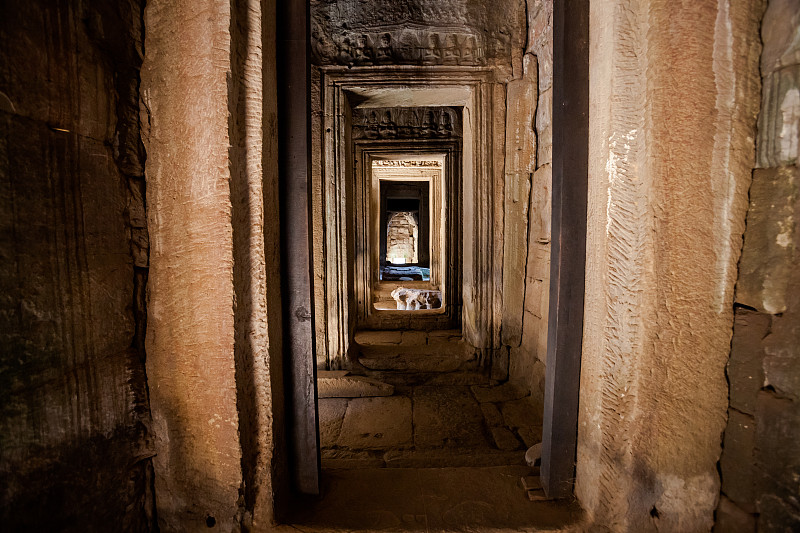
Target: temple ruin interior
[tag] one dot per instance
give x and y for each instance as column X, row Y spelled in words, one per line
column 400, row 265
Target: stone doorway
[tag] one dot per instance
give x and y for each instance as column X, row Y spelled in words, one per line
column 403, row 113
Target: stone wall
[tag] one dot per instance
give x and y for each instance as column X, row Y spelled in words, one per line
column 402, row 238
column 75, row 441
column 760, row 463
column 673, row 108
column 448, row 35
column 526, row 273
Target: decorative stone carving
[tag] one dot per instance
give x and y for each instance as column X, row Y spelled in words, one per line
column 405, row 46
column 414, row 299
column 406, row 123
column 405, row 163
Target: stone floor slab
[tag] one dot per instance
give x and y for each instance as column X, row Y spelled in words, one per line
column 491, row 415
column 382, row 422
column 530, row 435
column 447, row 416
column 524, row 412
column 504, row 439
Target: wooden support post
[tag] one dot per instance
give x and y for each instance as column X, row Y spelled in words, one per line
column 568, row 246
column 296, row 267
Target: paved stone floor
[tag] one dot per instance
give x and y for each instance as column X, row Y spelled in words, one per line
column 433, row 447
column 466, row 499
column 442, row 412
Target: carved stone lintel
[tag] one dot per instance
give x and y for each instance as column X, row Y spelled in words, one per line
column 403, row 46
column 406, row 123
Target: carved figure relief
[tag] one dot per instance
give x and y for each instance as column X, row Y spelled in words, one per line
column 432, row 54
column 384, row 53
column 451, row 55
column 406, row 123
column 402, row 46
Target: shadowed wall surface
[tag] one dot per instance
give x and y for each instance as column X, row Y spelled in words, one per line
column 74, row 423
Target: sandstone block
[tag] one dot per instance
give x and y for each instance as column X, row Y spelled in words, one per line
column 745, row 372
column 521, row 99
column 524, row 412
column 540, row 38
column 446, row 416
column 412, row 362
column 378, row 338
column 780, row 33
column 351, row 387
column 331, row 413
column 737, row 460
column 778, row 449
column 778, row 514
column 504, row 439
column 509, row 390
column 491, row 415
column 444, row 335
column 531, row 482
column 767, row 266
column 732, row 519
column 531, row 435
column 778, row 122
column 782, row 351
column 376, row 423
column 414, row 338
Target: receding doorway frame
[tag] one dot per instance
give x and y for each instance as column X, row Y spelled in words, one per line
column 482, row 99
column 366, row 254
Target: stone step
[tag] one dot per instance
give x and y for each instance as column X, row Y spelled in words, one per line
column 337, row 458
column 339, row 384
column 464, row 376
column 367, row 339
column 414, row 362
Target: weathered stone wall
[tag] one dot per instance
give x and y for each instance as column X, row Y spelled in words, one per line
column 526, row 272
column 673, row 107
column 402, row 237
column 760, row 463
column 74, row 415
column 444, row 34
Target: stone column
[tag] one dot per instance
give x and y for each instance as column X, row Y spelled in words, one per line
column 673, row 103
column 190, row 333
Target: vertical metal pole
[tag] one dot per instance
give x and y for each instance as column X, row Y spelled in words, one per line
column 568, row 244
column 296, row 268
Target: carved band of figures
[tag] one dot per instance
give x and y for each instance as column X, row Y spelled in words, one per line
column 406, row 163
column 402, row 47
column 406, row 123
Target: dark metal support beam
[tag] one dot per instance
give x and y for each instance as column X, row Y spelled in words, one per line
column 568, row 244
column 296, row 267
